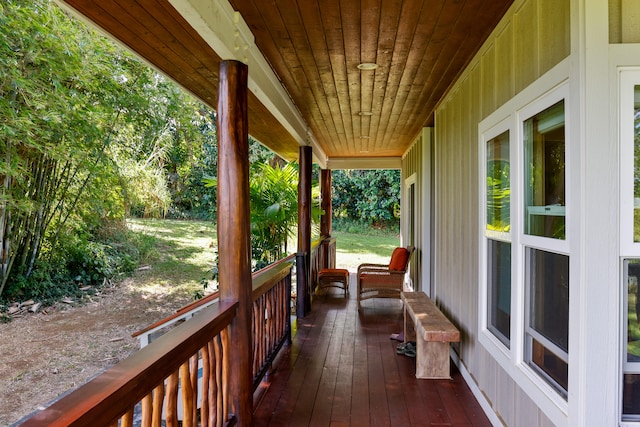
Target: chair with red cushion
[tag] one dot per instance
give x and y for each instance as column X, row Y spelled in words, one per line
column 382, row 280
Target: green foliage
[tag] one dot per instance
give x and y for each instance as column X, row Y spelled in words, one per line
column 364, row 228
column 369, row 196
column 274, row 210
column 88, row 134
column 82, row 260
column 53, row 132
column 498, row 195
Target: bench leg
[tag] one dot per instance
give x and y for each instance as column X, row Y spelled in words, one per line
column 432, row 360
column 409, row 329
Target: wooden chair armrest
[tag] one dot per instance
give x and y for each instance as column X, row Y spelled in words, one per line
column 372, row 267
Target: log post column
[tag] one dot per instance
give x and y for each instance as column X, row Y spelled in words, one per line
column 325, row 219
column 325, row 191
column 303, row 276
column 234, row 233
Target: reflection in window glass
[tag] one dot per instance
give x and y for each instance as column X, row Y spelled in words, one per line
column 631, row 385
column 633, row 311
column 547, row 335
column 498, row 183
column 631, row 397
column 499, row 285
column 636, row 164
column 544, row 144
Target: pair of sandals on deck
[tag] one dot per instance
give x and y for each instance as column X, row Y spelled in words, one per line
column 407, row 348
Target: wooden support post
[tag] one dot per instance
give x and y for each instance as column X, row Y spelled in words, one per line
column 303, row 304
column 325, row 219
column 234, row 232
column 325, row 191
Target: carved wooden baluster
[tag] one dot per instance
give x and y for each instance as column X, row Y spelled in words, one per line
column 158, row 400
column 206, row 374
column 127, row 419
column 213, row 385
column 219, row 386
column 225, row 360
column 279, row 308
column 172, row 400
column 193, row 369
column 147, row 410
column 256, row 336
column 187, row 395
column 270, row 323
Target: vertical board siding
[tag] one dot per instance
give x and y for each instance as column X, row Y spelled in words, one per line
column 504, row 59
column 624, row 21
column 505, row 402
column 412, row 163
column 531, row 39
column 554, row 45
column 488, row 77
column 526, row 42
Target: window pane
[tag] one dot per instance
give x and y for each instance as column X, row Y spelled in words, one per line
column 633, row 309
column 548, row 317
column 499, row 284
column 544, row 144
column 631, row 398
column 498, row 183
column 636, row 163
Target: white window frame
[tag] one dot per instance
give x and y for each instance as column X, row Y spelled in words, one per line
column 412, row 221
column 628, row 79
column 543, row 93
column 550, row 244
column 629, row 250
column 491, row 342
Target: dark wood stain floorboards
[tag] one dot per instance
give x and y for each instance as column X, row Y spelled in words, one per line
column 342, row 370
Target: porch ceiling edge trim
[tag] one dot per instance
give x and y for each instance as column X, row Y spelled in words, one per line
column 229, row 36
column 364, row 163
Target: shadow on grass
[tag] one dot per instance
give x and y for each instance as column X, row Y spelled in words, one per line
column 183, row 253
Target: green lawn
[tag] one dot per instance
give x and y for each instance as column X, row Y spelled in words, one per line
column 183, row 253
column 355, row 249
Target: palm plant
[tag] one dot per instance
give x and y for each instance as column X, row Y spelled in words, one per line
column 274, row 210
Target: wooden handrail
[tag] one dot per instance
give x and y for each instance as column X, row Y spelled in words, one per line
column 265, row 281
column 286, row 259
column 181, row 311
column 257, row 275
column 110, row 395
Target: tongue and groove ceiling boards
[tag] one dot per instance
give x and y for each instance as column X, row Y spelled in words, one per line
column 310, row 61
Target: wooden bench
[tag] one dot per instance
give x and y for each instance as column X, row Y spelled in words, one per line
column 425, row 324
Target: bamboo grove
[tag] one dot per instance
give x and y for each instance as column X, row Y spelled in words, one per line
column 88, row 134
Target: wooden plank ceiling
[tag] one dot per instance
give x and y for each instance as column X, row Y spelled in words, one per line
column 315, row 47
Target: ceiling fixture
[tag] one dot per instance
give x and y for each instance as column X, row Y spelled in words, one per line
column 365, row 113
column 366, row 66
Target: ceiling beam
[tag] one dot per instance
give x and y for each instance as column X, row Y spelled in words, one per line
column 364, row 163
column 230, row 37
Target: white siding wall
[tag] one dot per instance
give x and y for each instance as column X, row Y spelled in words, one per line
column 532, row 38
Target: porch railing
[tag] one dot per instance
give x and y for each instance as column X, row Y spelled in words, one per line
column 184, row 374
column 271, row 320
column 323, row 255
column 153, row 376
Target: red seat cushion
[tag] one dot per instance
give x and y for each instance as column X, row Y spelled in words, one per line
column 334, row 272
column 399, row 259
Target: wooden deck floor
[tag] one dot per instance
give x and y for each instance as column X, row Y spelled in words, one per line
column 342, row 370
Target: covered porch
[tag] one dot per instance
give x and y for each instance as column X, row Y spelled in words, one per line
column 333, row 365
column 342, row 370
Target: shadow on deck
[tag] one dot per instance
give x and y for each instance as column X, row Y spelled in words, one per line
column 342, row 370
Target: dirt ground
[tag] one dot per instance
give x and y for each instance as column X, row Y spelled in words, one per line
column 44, row 355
